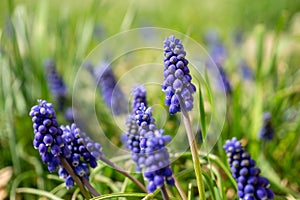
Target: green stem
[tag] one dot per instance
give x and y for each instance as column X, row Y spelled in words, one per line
column 69, row 169
column 194, row 151
column 180, row 190
column 122, row 171
column 164, row 193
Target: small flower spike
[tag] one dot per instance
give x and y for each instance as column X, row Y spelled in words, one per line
column 55, row 83
column 132, row 141
column 156, row 157
column 267, row 130
column 84, row 154
column 47, row 135
column 113, row 95
column 251, row 186
column 177, row 79
column 139, row 96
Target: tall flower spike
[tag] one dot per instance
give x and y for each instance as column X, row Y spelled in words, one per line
column 84, row 153
column 267, row 130
column 177, row 79
column 55, row 83
column 47, row 135
column 156, row 157
column 112, row 94
column 251, row 186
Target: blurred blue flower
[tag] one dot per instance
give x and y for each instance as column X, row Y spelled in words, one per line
column 218, row 54
column 267, row 131
column 251, row 186
column 112, row 94
column 156, row 157
column 177, row 79
column 55, row 83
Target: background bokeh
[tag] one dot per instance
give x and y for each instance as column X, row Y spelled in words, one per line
column 262, row 35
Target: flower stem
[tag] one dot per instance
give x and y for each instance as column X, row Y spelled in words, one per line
column 90, row 187
column 164, row 193
column 180, row 190
column 122, row 171
column 69, row 169
column 194, row 151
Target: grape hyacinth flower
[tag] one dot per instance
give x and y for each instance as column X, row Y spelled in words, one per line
column 47, row 135
column 55, row 83
column 112, row 94
column 267, row 130
column 177, row 79
column 251, row 186
column 139, row 96
column 84, row 154
column 152, row 142
column 133, row 141
column 132, row 137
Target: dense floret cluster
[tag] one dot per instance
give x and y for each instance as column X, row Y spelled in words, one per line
column 132, row 135
column 84, row 154
column 267, row 131
column 47, row 135
column 139, row 96
column 177, row 79
column 152, row 142
column 251, row 186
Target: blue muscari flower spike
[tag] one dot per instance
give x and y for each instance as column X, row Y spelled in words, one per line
column 55, row 83
column 139, row 96
column 156, row 157
column 47, row 135
column 177, row 79
column 84, row 154
column 267, row 130
column 112, row 94
column 131, row 137
column 251, row 186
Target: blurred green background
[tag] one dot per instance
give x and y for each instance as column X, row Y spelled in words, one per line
column 31, row 31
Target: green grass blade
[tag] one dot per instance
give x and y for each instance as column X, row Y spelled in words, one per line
column 38, row 192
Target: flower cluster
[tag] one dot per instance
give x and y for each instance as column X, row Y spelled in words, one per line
column 267, row 130
column 84, row 154
column 55, row 83
column 112, row 94
column 139, row 96
column 156, row 156
column 132, row 135
column 251, row 186
column 47, row 135
column 177, row 79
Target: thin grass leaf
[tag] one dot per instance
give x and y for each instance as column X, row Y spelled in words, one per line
column 202, row 114
column 116, row 195
column 190, row 193
column 260, row 34
column 17, row 181
column 210, row 185
column 38, row 192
